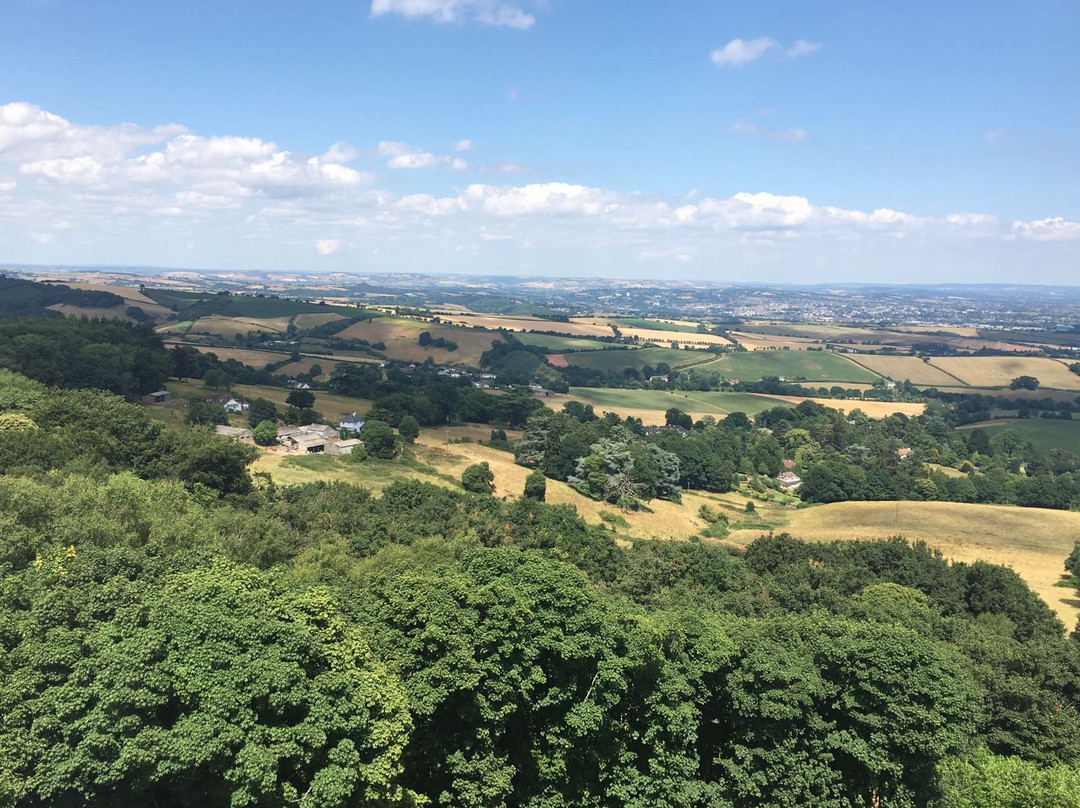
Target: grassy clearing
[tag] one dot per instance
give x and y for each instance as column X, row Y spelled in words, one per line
column 1045, row 434
column 249, row 356
column 1033, row 541
column 331, row 405
column 303, row 321
column 814, row 366
column 372, row 473
column 998, row 371
column 874, row 409
column 911, row 368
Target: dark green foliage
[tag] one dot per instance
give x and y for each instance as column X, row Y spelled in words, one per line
column 301, row 399
column 19, row 298
column 409, row 429
column 1024, row 383
column 265, row 433
column 112, row 355
column 378, row 439
column 478, row 478
column 536, row 486
column 261, row 410
column 202, row 413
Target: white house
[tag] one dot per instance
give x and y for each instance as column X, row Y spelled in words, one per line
column 352, row 422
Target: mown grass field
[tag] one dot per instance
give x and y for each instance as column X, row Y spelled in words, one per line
column 637, row 358
column 1033, row 541
column 815, row 366
column 249, row 356
column 998, row 371
column 682, row 326
column 1045, row 434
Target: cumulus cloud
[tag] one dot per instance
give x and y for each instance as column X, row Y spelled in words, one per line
column 739, row 52
column 175, row 187
column 462, row 145
column 790, row 135
column 485, row 12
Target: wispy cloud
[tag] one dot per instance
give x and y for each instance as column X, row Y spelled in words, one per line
column 327, row 246
column 485, row 12
column 994, row 134
column 789, row 135
column 402, row 155
column 739, row 52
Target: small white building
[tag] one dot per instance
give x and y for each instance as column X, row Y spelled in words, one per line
column 322, row 430
column 352, row 422
column 234, row 432
column 789, row 480
column 235, row 405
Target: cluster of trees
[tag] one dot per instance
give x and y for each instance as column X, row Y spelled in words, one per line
column 319, row 646
column 425, row 340
column 21, row 298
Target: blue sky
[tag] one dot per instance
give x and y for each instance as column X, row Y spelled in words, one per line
column 817, row 141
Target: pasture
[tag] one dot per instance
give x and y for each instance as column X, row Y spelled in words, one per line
column 400, row 335
column 814, row 366
column 248, row 356
column 998, row 371
column 637, row 358
column 1045, row 434
column 1033, row 541
column 559, row 344
column 650, row 405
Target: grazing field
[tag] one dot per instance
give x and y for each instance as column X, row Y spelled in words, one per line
column 560, row 344
column 650, row 405
column 768, row 342
column 814, row 366
column 331, row 405
column 400, row 335
column 305, row 321
column 998, row 371
column 229, row 327
column 804, row 334
column 900, row 368
column 637, row 358
column 508, row 323
column 1045, row 434
column 248, row 356
column 306, row 364
column 372, row 473
column 1033, row 541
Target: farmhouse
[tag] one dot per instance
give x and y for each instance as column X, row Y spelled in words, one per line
column 903, row 453
column 235, row 405
column 160, row 397
column 351, row 422
column 789, row 480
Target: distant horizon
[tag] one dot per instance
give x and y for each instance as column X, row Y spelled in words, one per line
column 134, row 269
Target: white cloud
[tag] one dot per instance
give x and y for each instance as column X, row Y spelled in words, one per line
column 739, row 52
column 327, row 246
column 792, row 134
column 462, row 145
column 402, row 155
column 7, row 186
column 486, row 12
column 1055, row 229
column 340, row 152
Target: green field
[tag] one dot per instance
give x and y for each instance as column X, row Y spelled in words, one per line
column 637, row 358
column 629, row 401
column 559, row 344
column 1045, row 434
column 814, row 366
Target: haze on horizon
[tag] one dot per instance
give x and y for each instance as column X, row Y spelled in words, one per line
column 793, row 142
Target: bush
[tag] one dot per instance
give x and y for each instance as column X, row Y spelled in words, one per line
column 265, row 433
column 409, row 429
column 378, row 439
column 478, row 479
column 536, row 486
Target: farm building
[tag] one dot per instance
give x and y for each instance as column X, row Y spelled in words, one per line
column 234, row 432
column 343, row 447
column 789, row 480
column 322, row 430
column 235, row 405
column 160, row 397
column 306, row 444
